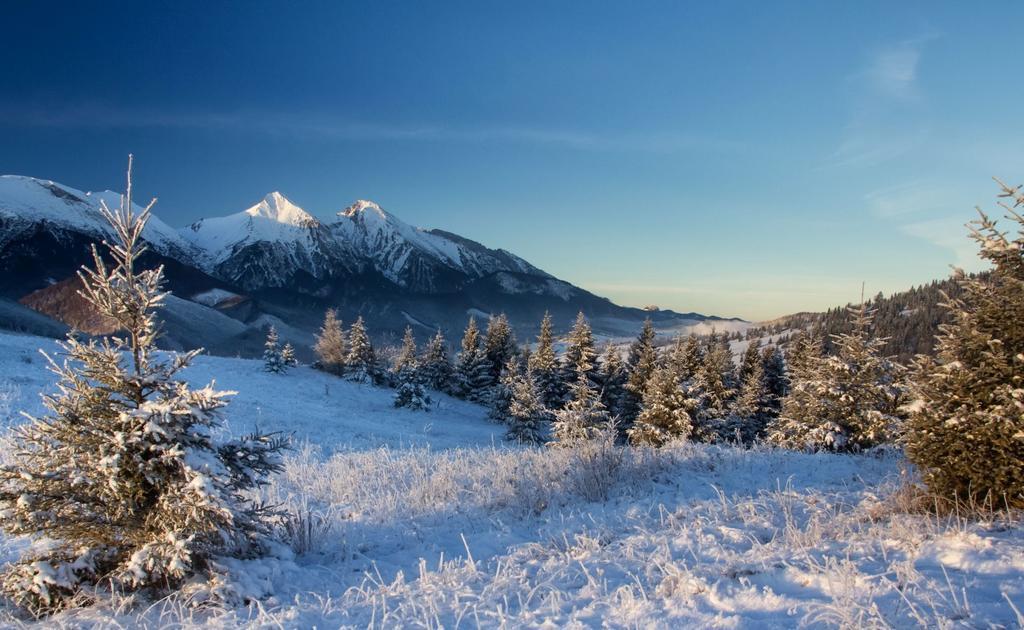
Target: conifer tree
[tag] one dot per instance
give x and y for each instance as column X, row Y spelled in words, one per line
column 580, row 355
column 583, row 417
column 801, row 406
column 361, row 363
column 272, row 359
column 527, row 414
column 435, row 365
column 409, row 390
column 776, row 381
column 752, row 408
column 712, row 390
column 123, row 479
column 611, row 376
column 847, row 401
column 288, row 356
column 472, row 374
column 966, row 427
column 406, row 358
column 751, row 355
column 544, row 365
column 686, row 358
column 331, row 348
column 640, row 364
column 664, row 415
column 502, row 392
column 499, row 345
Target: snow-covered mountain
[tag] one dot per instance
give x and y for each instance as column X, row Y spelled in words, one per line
column 268, row 245
column 275, row 241
column 278, row 263
column 27, row 203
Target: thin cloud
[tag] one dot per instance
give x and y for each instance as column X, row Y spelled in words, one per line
column 319, row 127
column 869, row 148
column 885, row 97
column 914, row 197
column 892, row 71
column 949, row 233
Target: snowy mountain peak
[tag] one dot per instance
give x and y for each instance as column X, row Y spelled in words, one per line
column 31, row 201
column 277, row 207
column 366, row 210
column 275, row 241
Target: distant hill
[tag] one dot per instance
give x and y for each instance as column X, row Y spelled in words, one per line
column 909, row 319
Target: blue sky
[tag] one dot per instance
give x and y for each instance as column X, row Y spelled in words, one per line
column 743, row 159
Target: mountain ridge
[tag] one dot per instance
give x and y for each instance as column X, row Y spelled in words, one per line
column 276, row 260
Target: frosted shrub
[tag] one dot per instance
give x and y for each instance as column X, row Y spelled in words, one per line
column 123, row 479
column 306, row 530
column 596, row 464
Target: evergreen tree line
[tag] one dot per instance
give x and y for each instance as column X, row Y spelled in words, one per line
column 908, row 321
column 838, row 384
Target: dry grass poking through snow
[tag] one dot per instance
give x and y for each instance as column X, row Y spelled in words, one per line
column 683, row 536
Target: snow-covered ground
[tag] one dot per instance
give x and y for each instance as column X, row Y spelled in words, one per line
column 428, row 520
column 310, row 405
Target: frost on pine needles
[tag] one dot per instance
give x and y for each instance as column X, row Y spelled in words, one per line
column 845, row 402
column 583, row 417
column 274, row 359
column 966, row 426
column 121, row 485
column 411, row 394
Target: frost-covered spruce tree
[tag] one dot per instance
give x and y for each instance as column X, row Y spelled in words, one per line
column 611, row 376
column 123, row 478
column 640, row 364
column 499, row 345
column 580, row 355
column 966, row 427
column 686, row 358
column 501, row 393
column 526, row 413
column 331, row 347
column 272, row 359
column 361, row 362
column 750, row 356
column 752, row 408
column 409, row 390
column 435, row 366
column 406, row 357
column 288, row 355
column 582, row 418
column 848, row 401
column 712, row 390
column 472, row 379
column 864, row 388
column 775, row 378
column 665, row 414
column 466, row 360
column 544, row 365
column 801, row 406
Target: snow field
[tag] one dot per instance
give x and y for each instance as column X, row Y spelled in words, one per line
column 411, row 519
column 684, row 536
